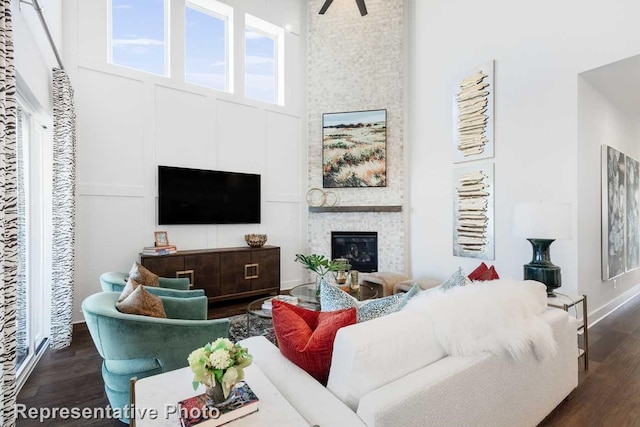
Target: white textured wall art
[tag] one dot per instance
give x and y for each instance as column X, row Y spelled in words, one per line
column 473, row 115
column 473, row 232
column 613, row 211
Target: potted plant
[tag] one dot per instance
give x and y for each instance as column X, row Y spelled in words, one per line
column 320, row 265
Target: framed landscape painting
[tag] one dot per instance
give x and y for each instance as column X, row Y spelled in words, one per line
column 354, row 149
column 613, row 212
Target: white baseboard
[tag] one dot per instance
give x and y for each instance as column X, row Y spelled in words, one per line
column 602, row 312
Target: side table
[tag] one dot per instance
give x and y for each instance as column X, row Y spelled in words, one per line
column 565, row 302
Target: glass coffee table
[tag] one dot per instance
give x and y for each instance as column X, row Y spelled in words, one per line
column 306, row 294
column 262, row 316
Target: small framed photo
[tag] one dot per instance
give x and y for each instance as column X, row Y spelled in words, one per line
column 162, row 239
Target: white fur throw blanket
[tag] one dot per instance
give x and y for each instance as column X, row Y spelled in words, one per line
column 497, row 316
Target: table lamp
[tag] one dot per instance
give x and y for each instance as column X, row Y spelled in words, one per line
column 541, row 223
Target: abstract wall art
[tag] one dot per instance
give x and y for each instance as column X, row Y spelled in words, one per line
column 632, row 214
column 473, row 115
column 613, row 212
column 354, row 152
column 473, row 231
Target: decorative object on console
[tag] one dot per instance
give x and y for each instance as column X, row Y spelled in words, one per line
column 542, row 223
column 305, row 337
column 361, row 6
column 354, row 149
column 161, row 238
column 473, row 232
column 317, row 197
column 473, row 115
column 219, row 366
column 613, row 207
column 484, row 273
column 333, row 298
column 255, row 240
column 143, row 275
column 632, row 215
column 159, row 250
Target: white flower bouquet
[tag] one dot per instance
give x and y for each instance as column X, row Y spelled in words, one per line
column 219, row 363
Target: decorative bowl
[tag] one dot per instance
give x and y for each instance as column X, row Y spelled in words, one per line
column 255, row 240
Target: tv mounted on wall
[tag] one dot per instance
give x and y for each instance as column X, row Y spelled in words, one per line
column 196, row 196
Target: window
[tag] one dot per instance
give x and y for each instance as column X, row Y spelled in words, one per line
column 264, row 61
column 208, row 49
column 34, row 160
column 138, row 35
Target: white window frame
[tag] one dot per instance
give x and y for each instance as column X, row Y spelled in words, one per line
column 223, row 12
column 166, row 41
column 276, row 33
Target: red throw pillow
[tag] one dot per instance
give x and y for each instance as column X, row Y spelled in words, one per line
column 479, row 273
column 484, row 273
column 306, row 337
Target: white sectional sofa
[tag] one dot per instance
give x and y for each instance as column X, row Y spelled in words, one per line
column 390, row 372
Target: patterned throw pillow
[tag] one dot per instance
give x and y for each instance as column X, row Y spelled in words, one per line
column 457, row 279
column 128, row 288
column 306, row 337
column 142, row 303
column 143, row 276
column 333, row 298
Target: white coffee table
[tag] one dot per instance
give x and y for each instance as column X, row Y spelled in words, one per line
column 169, row 388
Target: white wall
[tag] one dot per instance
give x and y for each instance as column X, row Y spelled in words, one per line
column 129, row 122
column 600, row 122
column 539, row 49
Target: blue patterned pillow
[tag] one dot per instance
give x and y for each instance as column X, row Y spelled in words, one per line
column 333, row 298
column 457, row 279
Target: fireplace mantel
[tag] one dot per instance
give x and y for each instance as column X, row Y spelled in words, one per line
column 335, row 209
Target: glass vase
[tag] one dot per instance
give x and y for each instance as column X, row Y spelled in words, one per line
column 215, row 395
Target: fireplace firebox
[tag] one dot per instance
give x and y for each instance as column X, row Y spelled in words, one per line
column 360, row 248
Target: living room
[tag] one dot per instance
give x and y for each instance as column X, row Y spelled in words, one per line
column 555, row 78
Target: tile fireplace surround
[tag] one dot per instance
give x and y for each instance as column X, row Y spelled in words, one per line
column 388, row 225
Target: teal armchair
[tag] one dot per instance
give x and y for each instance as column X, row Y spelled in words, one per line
column 141, row 346
column 169, row 287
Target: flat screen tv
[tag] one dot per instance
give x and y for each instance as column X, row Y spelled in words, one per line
column 196, row 196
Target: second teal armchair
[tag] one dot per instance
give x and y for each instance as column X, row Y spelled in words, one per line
column 169, row 287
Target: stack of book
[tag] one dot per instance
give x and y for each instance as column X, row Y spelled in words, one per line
column 195, row 412
column 159, row 250
column 284, row 298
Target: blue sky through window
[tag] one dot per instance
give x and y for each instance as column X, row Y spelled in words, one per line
column 260, row 69
column 205, row 62
column 138, row 34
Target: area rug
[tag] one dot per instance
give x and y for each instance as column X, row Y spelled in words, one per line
column 258, row 326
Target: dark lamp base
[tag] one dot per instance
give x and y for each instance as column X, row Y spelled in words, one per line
column 541, row 268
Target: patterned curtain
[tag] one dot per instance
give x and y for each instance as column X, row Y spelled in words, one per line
column 64, row 210
column 8, row 219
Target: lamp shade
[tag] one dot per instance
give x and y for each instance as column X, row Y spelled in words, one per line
column 542, row 220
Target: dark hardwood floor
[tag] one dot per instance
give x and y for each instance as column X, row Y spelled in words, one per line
column 608, row 394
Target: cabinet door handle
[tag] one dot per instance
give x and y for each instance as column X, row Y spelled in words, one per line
column 183, row 273
column 248, row 275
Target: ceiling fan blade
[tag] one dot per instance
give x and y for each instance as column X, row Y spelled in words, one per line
column 362, row 7
column 325, row 6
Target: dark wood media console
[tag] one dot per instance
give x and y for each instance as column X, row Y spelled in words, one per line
column 224, row 273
